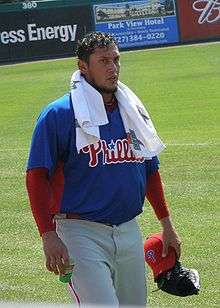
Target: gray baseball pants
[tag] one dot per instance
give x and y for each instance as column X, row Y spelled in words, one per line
column 109, row 262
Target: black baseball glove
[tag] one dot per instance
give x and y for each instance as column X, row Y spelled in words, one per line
column 179, row 281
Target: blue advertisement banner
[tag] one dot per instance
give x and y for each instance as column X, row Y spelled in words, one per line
column 138, row 23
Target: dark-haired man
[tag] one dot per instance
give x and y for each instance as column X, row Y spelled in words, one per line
column 93, row 159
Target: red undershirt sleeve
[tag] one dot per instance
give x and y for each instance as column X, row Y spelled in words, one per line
column 155, row 195
column 38, row 188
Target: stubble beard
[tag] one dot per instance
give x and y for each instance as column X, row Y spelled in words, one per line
column 101, row 89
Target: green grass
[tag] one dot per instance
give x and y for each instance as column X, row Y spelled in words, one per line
column 181, row 89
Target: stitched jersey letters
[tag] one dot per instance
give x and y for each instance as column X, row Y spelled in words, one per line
column 112, row 153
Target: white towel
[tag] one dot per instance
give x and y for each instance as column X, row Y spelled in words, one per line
column 90, row 113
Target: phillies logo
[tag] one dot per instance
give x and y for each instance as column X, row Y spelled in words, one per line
column 111, row 153
column 150, row 256
column 210, row 10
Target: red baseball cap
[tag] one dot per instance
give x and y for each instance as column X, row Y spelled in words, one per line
column 153, row 247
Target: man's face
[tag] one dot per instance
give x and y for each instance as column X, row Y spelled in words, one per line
column 102, row 71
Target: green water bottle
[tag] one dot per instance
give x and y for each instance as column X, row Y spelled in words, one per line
column 68, row 273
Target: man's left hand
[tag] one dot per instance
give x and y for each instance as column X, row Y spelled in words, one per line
column 170, row 238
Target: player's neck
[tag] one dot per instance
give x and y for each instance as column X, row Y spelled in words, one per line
column 111, row 104
column 107, row 98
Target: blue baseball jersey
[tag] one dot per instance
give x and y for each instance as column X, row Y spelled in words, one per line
column 104, row 182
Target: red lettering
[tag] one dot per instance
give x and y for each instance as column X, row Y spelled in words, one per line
column 121, row 153
column 128, row 152
column 119, row 150
column 93, row 150
column 106, row 154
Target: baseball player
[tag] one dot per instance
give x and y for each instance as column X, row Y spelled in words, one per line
column 89, row 170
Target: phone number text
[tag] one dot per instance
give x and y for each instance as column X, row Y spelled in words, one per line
column 140, row 37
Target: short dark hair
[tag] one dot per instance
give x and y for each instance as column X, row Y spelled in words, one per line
column 87, row 45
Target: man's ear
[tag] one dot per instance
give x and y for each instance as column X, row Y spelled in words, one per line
column 83, row 67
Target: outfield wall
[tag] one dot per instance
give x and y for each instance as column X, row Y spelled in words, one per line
column 50, row 29
column 41, row 31
column 199, row 20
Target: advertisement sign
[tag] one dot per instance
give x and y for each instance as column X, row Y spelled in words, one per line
column 199, row 19
column 45, row 33
column 138, row 23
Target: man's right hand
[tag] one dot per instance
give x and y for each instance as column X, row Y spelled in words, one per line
column 57, row 258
